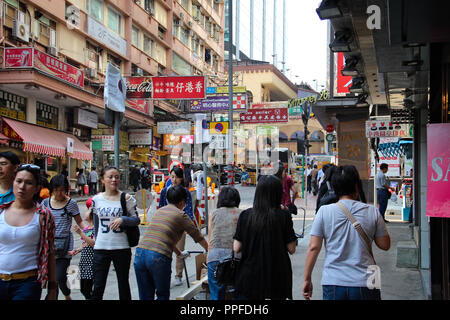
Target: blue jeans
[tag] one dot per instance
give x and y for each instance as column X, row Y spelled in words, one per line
column 217, row 291
column 383, row 197
column 350, row 293
column 153, row 271
column 26, row 289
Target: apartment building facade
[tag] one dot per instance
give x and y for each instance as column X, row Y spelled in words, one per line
column 69, row 44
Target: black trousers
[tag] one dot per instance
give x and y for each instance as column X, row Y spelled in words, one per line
column 86, row 288
column 308, row 184
column 102, row 261
column 93, row 188
column 61, row 275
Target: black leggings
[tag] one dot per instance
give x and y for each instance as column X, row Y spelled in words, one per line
column 86, row 287
column 61, row 275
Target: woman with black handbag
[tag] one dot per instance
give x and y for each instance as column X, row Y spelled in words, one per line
column 112, row 242
column 63, row 209
column 265, row 236
column 222, row 226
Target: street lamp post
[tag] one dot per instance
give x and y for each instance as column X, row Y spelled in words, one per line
column 230, row 82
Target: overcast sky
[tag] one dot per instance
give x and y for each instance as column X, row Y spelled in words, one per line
column 306, row 43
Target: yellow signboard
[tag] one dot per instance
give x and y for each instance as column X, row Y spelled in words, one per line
column 218, row 127
column 235, row 89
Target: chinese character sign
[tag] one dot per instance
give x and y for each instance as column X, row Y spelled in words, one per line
column 178, row 88
column 438, row 191
column 274, row 115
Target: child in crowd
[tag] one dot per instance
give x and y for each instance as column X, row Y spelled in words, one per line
column 87, row 253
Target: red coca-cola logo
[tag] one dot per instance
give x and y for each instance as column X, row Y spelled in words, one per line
column 139, row 87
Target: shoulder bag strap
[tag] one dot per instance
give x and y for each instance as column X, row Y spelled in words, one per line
column 123, row 202
column 355, row 223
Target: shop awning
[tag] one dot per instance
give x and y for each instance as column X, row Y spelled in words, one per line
column 44, row 141
column 3, row 139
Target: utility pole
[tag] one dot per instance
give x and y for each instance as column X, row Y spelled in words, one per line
column 230, row 81
column 305, row 118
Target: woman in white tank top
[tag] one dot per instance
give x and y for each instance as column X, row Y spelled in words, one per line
column 27, row 263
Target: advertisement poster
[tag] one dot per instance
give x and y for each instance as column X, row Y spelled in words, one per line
column 29, row 57
column 139, row 87
column 438, row 187
column 179, row 87
column 219, row 103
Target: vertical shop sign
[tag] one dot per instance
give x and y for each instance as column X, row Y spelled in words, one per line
column 438, row 187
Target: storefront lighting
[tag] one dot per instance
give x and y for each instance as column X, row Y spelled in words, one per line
column 60, row 96
column 362, row 101
column 341, row 42
column 328, row 9
column 412, row 63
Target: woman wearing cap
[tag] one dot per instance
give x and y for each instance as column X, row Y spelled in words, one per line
column 27, row 230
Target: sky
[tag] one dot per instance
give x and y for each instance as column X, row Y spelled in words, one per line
column 306, row 43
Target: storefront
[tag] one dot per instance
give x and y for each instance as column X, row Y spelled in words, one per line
column 48, row 148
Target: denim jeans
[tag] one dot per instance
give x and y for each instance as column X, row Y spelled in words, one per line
column 383, row 197
column 350, row 293
column 217, row 291
column 153, row 271
column 102, row 261
column 26, row 289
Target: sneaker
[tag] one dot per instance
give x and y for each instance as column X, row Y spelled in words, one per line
column 178, row 281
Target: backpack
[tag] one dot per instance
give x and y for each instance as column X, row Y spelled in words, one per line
column 329, row 197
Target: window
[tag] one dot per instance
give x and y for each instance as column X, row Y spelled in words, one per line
column 185, row 4
column 95, row 9
column 184, row 36
column 135, row 36
column 161, row 33
column 180, row 66
column 114, row 61
column 113, row 20
column 148, row 45
column 93, row 57
column 175, row 27
column 149, row 6
column 45, row 30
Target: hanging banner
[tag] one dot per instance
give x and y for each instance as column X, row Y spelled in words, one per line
column 201, row 128
column 18, row 57
column 139, row 87
column 115, row 89
column 438, row 187
column 179, row 87
column 343, row 83
column 142, row 137
column 275, row 115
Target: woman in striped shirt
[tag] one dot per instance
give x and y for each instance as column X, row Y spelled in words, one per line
column 153, row 258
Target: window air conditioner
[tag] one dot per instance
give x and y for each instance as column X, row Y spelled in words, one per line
column 91, row 72
column 52, row 51
column 21, row 30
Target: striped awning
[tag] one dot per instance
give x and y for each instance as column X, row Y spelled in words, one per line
column 3, row 139
column 46, row 141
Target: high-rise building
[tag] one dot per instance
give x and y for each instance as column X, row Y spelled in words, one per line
column 259, row 31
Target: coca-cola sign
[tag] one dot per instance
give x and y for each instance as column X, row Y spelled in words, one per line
column 139, row 87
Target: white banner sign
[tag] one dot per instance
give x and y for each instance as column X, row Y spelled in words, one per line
column 219, row 141
column 115, row 89
column 175, row 127
column 381, row 128
column 86, row 118
column 107, row 37
column 142, row 137
column 201, row 129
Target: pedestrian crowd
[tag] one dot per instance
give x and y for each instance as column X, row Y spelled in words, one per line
column 37, row 244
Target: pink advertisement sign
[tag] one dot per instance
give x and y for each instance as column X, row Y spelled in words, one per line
column 438, row 189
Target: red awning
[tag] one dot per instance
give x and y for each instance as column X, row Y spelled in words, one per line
column 45, row 141
column 3, row 139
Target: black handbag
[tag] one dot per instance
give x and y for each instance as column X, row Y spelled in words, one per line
column 329, row 197
column 292, row 208
column 62, row 246
column 133, row 233
column 226, row 270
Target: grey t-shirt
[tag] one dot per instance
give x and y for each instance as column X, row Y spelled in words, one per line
column 347, row 257
column 380, row 180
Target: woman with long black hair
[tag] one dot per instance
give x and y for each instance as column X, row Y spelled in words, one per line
column 265, row 235
column 111, row 243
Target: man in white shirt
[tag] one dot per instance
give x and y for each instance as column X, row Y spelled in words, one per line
column 308, row 178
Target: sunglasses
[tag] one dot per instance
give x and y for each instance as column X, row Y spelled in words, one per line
column 29, row 166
